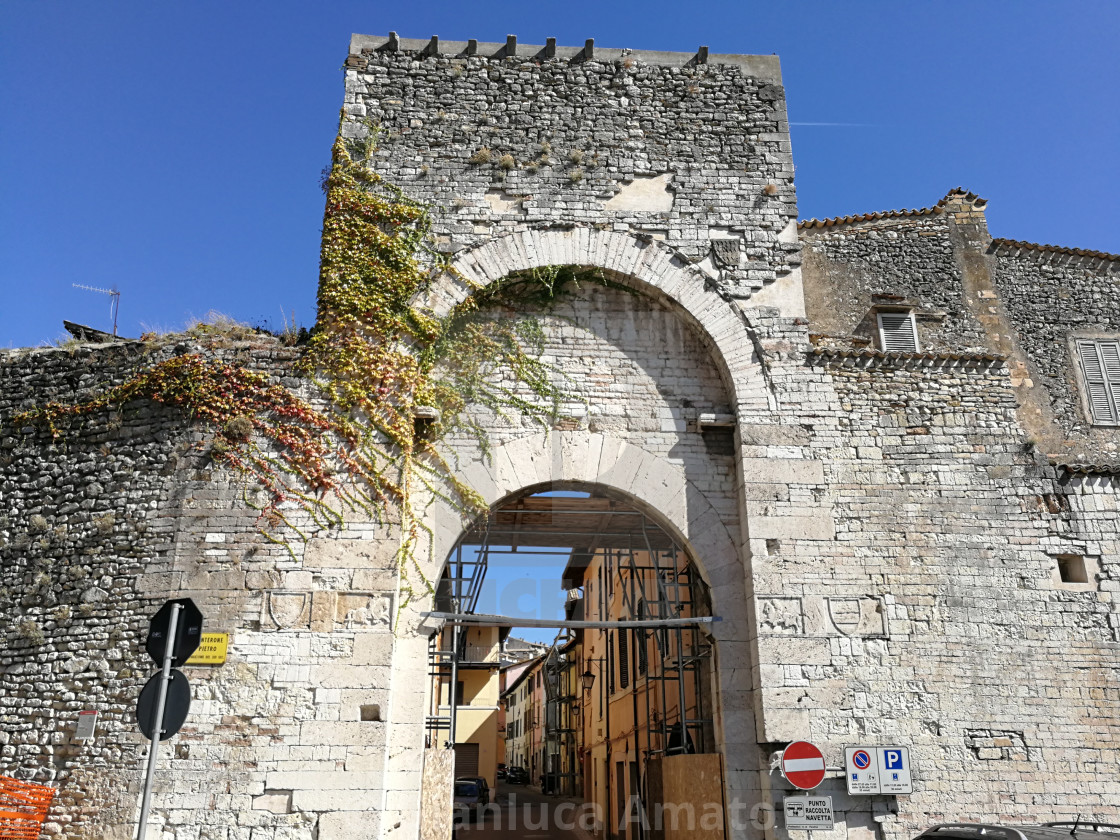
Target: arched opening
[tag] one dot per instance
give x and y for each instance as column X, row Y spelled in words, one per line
column 609, row 698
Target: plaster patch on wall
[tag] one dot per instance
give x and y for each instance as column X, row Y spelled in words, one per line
column 646, row 193
column 502, row 202
column 789, row 232
column 997, row 744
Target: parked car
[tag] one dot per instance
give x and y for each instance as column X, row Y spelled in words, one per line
column 481, row 782
column 517, row 776
column 1077, row 829
column 502, row 772
column 469, row 801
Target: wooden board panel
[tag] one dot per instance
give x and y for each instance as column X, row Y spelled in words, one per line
column 695, row 780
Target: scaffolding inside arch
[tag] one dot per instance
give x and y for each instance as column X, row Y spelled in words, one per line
column 660, row 638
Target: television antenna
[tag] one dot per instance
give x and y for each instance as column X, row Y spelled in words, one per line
column 114, row 305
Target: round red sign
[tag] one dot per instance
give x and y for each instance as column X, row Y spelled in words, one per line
column 803, row 765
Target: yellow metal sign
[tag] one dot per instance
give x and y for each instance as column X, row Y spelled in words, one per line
column 211, row 650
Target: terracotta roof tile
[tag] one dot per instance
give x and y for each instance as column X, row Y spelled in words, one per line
column 1015, row 248
column 1090, row 469
column 959, row 193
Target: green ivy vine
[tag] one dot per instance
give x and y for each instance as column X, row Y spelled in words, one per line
column 379, row 363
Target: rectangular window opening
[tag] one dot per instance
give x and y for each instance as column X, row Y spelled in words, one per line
column 1071, row 568
column 371, row 712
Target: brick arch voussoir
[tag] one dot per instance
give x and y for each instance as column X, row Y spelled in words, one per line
column 647, row 265
column 652, row 484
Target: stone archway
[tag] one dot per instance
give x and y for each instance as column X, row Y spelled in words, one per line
column 662, row 490
column 656, row 482
column 647, row 265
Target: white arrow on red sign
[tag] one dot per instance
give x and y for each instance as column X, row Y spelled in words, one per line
column 803, row 765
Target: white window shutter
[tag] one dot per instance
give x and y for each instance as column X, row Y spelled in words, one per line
column 1100, row 364
column 897, row 332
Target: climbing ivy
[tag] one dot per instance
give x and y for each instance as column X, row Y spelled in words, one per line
column 395, row 380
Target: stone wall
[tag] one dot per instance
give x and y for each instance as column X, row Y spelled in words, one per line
column 935, row 618
column 908, row 254
column 1053, row 295
column 659, row 144
column 946, row 505
column 82, row 519
column 124, row 510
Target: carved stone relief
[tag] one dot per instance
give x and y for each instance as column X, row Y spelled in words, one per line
column 364, row 610
column 287, row 610
column 822, row 615
column 780, row 615
column 323, row 610
column 726, row 252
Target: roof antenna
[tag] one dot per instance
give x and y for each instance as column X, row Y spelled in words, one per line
column 114, row 305
column 1076, row 822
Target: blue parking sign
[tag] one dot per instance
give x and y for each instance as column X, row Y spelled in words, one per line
column 894, row 770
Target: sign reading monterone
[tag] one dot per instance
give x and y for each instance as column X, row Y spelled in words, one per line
column 212, row 650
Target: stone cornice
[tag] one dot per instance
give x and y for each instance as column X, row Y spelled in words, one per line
column 868, row 359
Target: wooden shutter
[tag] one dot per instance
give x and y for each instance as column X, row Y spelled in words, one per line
column 897, row 332
column 1100, row 365
column 640, row 639
column 623, row 660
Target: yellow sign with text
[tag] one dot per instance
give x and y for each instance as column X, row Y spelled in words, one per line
column 211, row 650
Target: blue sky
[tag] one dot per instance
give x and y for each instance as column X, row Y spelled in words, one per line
column 525, row 585
column 173, row 150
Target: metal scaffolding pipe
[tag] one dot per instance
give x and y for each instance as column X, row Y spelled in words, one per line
column 558, row 624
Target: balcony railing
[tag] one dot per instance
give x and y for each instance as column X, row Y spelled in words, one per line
column 479, row 653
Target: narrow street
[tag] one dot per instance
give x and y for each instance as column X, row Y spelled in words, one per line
column 521, row 812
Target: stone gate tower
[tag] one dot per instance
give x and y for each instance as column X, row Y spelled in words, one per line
column 900, row 492
column 671, row 174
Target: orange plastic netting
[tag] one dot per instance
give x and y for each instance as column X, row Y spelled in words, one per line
column 23, row 808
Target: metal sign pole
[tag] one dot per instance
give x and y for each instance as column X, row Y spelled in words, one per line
column 168, row 656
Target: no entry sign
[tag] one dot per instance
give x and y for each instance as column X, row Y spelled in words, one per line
column 803, row 765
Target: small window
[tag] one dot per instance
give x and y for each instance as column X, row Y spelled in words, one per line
column 372, row 712
column 897, row 332
column 1100, row 369
column 1071, row 569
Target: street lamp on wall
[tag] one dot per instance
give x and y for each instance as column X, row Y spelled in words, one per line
column 588, row 679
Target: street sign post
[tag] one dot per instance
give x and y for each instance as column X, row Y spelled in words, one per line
column 803, row 765
column 173, row 636
column 809, row 813
column 184, row 635
column 213, row 650
column 861, row 771
column 176, row 706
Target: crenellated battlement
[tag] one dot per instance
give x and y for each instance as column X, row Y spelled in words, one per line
column 765, row 67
